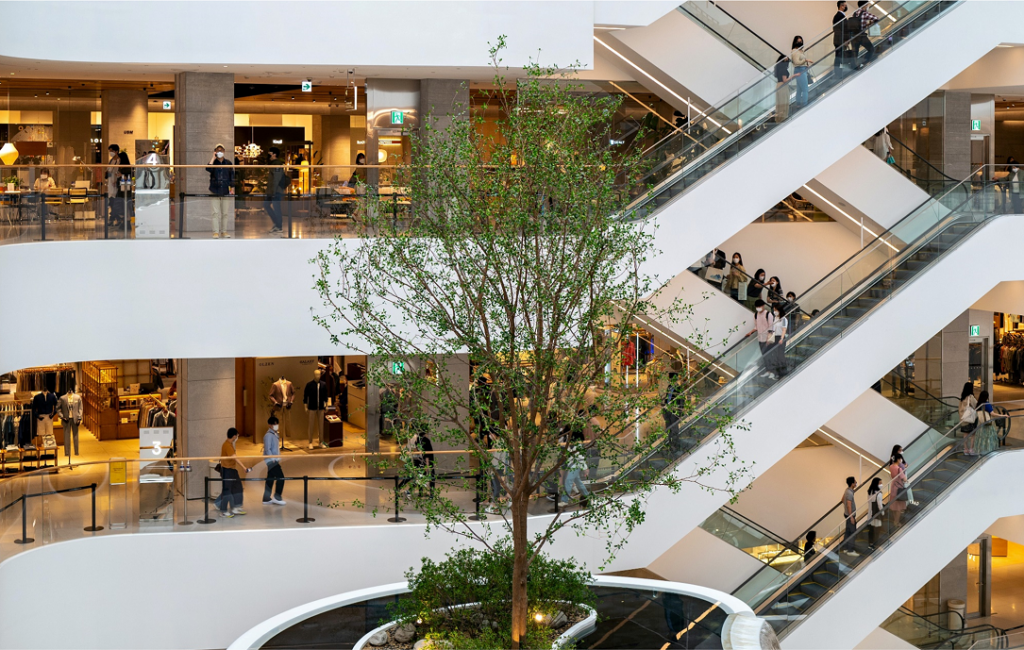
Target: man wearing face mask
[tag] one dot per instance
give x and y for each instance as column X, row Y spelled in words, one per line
column 222, row 187
column 272, row 447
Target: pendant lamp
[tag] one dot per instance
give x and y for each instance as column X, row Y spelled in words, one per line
column 8, row 154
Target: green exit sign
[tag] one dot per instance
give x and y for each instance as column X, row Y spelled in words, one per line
column 397, row 117
column 397, row 367
column 975, row 125
column 975, row 330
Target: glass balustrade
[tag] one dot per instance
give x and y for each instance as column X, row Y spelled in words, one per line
column 751, row 114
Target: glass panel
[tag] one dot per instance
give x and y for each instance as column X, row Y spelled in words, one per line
column 732, row 32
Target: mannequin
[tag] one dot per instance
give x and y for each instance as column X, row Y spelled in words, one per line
column 282, row 395
column 70, row 409
column 314, row 398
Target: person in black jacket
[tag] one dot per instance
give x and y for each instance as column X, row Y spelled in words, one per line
column 277, row 181
column 222, row 187
column 118, row 181
column 314, row 398
column 839, row 38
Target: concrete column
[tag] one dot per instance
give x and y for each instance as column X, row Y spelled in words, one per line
column 383, row 97
column 953, row 581
column 956, row 136
column 125, row 119
column 204, row 116
column 206, row 410
column 955, row 355
column 72, row 131
column 442, row 100
column 336, row 146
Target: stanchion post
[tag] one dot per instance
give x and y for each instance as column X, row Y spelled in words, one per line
column 398, row 518
column 94, row 527
column 206, row 502
column 42, row 215
column 184, row 471
column 305, row 502
column 106, row 219
column 476, row 516
column 557, row 499
column 181, row 215
column 25, row 539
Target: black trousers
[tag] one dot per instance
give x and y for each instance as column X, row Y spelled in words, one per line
column 274, row 475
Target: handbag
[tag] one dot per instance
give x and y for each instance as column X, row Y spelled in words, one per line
column 219, row 469
column 875, row 30
column 889, row 160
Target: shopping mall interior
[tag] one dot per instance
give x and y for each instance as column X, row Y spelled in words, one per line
column 813, row 179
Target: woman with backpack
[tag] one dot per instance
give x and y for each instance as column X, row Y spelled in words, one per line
column 986, row 438
column 877, row 505
column 968, row 417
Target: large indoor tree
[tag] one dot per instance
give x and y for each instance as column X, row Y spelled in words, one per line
column 498, row 310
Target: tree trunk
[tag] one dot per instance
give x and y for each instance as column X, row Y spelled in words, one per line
column 520, row 546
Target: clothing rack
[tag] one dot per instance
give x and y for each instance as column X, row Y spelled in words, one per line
column 15, row 423
column 1009, row 358
column 35, row 379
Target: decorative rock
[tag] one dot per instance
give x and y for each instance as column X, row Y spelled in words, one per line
column 405, row 633
column 432, row 644
column 484, row 624
column 494, row 625
column 378, row 639
column 559, row 620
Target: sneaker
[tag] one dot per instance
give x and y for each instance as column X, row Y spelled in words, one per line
column 267, row 503
column 274, row 231
column 224, row 235
column 216, row 235
column 311, row 445
column 279, row 502
column 852, row 553
column 227, row 515
column 238, row 511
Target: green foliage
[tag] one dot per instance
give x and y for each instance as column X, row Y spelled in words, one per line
column 466, row 575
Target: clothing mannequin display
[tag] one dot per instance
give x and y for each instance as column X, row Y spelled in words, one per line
column 70, row 408
column 282, row 394
column 314, row 398
column 44, row 407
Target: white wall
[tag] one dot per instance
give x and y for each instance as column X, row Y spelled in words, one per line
column 779, row 21
column 163, row 299
column 725, row 202
column 633, row 12
column 676, row 49
column 880, row 639
column 1011, row 528
column 700, row 558
column 800, row 488
column 407, row 33
column 715, row 317
column 875, row 424
column 861, row 183
column 1007, row 297
column 989, row 492
column 799, row 253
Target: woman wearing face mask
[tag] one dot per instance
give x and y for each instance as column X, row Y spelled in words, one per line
column 775, row 358
column 877, row 505
column 793, row 312
column 737, row 277
column 45, row 181
column 271, row 451
column 897, row 457
column 801, row 68
column 774, row 290
column 755, row 289
column 764, row 323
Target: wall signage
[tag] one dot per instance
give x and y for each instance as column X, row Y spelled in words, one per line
column 307, row 86
column 975, row 125
column 397, row 117
column 975, row 330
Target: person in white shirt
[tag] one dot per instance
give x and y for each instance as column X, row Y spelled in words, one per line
column 775, row 359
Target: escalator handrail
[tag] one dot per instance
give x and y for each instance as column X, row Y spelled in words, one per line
column 831, row 510
column 708, row 404
column 684, row 8
column 805, row 330
column 775, row 537
column 939, row 498
column 928, row 397
column 709, row 150
column 924, row 160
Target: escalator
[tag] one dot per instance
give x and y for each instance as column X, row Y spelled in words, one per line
column 696, row 157
column 787, row 594
column 931, row 631
column 834, row 318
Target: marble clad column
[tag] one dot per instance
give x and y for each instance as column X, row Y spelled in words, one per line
column 204, row 116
